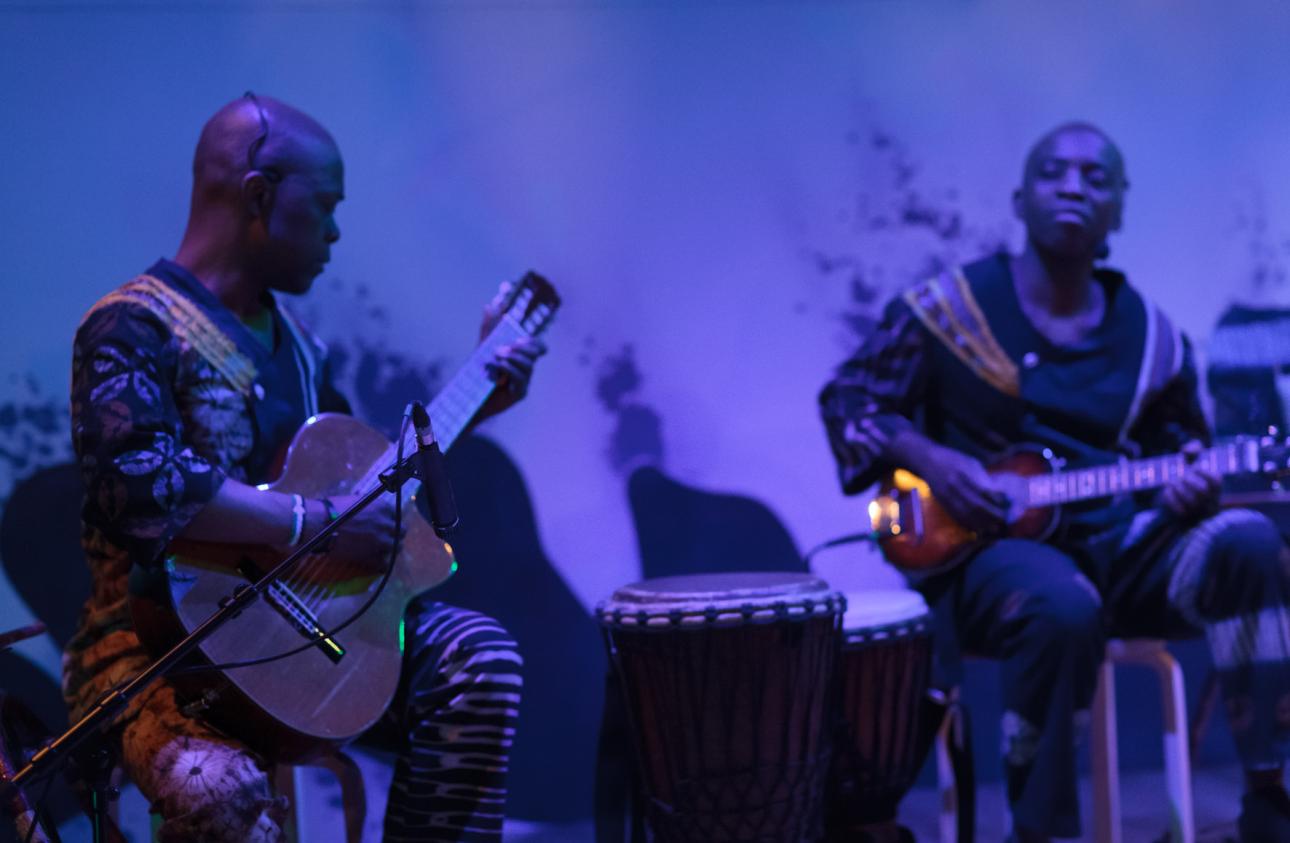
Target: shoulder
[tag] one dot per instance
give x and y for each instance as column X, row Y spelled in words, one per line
column 129, row 314
column 967, row 283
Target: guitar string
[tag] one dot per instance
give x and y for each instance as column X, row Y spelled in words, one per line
column 311, row 589
column 316, row 591
column 1212, row 458
column 354, row 616
column 311, row 583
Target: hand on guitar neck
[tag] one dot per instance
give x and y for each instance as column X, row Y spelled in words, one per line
column 512, row 364
column 1196, row 492
column 960, row 483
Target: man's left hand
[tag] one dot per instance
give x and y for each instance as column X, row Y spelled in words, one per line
column 512, row 369
column 1196, row 492
column 512, row 364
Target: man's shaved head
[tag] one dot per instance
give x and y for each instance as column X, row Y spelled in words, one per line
column 286, row 138
column 266, row 181
column 1044, row 145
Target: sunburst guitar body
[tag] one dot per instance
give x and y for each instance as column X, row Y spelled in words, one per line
column 917, row 534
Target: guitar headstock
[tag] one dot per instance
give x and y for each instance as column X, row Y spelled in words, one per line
column 531, row 302
column 1274, row 453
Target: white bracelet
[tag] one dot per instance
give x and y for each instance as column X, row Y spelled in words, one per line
column 298, row 520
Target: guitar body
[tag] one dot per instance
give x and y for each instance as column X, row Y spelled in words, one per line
column 292, row 708
column 917, row 534
column 927, row 540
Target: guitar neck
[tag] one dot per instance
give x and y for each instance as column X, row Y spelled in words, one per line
column 1140, row 475
column 458, row 402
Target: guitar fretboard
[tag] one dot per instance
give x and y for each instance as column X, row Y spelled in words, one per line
column 459, row 401
column 1137, row 475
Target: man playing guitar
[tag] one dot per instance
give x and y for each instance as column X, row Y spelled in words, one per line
column 1046, row 348
column 186, row 385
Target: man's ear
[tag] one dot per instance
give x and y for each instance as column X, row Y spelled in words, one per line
column 257, row 194
column 1016, row 203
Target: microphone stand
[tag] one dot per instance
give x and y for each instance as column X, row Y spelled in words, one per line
column 100, row 761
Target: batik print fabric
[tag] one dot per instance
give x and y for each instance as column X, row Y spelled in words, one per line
column 159, row 420
column 144, row 475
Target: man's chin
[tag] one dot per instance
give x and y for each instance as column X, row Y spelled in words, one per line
column 1070, row 246
column 296, row 287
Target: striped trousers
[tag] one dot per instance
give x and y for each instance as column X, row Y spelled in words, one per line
column 452, row 723
column 457, row 708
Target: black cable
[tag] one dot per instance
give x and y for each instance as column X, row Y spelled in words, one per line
column 358, row 613
column 850, row 538
column 385, row 578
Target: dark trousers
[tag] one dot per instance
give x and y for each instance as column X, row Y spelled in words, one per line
column 1030, row 606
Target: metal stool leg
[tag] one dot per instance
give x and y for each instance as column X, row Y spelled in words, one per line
column 1106, row 758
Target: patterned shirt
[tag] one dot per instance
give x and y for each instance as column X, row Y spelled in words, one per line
column 163, row 410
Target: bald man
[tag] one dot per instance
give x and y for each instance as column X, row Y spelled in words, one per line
column 1047, row 348
column 186, row 383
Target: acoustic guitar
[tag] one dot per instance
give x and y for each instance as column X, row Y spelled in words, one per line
column 306, row 704
column 917, row 535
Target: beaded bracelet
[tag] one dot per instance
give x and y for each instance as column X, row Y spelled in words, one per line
column 298, row 520
column 332, row 515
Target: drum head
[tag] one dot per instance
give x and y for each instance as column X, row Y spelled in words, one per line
column 718, row 598
column 882, row 607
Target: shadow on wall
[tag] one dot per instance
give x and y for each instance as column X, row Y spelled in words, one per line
column 41, row 552
column 682, row 530
column 505, row 573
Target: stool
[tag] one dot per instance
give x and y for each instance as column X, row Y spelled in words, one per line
column 353, row 797
column 958, row 797
column 1144, row 652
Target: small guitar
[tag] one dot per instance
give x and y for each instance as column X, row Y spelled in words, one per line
column 917, row 535
column 299, row 706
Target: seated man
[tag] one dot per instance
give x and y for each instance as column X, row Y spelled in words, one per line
column 186, row 384
column 1047, row 349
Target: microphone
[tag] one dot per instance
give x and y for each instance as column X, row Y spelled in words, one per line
column 428, row 462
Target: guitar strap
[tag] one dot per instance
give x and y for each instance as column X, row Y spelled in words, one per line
column 946, row 306
column 310, row 353
column 1162, row 360
column 187, row 322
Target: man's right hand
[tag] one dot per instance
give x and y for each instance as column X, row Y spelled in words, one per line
column 968, row 493
column 959, row 482
column 363, row 542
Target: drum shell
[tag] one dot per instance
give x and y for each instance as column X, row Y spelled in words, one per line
column 886, row 725
column 732, row 724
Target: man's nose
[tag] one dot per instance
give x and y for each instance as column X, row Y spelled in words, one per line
column 333, row 232
column 1072, row 183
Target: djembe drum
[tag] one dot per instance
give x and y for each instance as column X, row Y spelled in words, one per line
column 887, row 718
column 728, row 687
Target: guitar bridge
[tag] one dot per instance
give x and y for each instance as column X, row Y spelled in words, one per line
column 288, row 604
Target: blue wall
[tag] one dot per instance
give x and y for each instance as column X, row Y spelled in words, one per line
column 723, row 192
